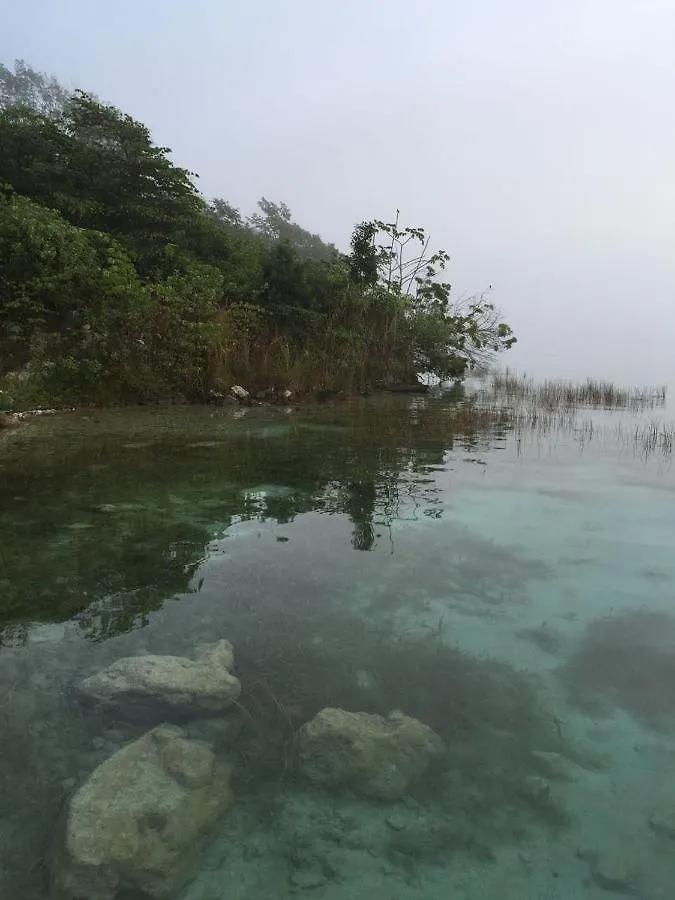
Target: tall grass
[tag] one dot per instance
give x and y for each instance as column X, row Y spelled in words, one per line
column 589, row 411
column 335, row 355
column 651, row 438
column 643, row 439
column 553, row 394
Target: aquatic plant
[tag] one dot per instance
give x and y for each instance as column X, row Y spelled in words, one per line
column 626, row 659
column 557, row 394
column 543, row 636
column 534, row 410
column 651, row 438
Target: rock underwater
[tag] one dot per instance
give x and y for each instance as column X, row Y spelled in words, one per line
column 373, row 756
column 155, row 689
column 136, row 822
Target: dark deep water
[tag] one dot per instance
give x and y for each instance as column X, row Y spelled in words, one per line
column 512, row 591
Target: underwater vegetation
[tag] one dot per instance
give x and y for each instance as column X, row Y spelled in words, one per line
column 627, row 660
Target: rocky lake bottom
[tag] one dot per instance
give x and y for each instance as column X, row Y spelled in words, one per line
column 337, row 652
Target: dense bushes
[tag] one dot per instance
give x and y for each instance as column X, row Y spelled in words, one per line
column 119, row 283
column 75, row 309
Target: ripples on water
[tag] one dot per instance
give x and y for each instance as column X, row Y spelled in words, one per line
column 510, row 585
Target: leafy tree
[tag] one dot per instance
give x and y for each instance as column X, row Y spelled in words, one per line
column 54, row 278
column 36, row 158
column 442, row 337
column 284, row 294
column 133, row 188
column 100, row 168
column 73, row 305
column 274, row 223
column 226, row 214
column 364, row 260
column 34, row 90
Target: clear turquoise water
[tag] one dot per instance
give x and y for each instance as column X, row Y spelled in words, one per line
column 515, row 592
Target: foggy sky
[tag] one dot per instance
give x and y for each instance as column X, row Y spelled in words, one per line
column 534, row 140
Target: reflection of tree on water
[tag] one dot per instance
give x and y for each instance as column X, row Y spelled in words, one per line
column 360, row 507
column 118, row 528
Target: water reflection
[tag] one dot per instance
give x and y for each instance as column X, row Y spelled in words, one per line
column 370, row 557
column 119, row 524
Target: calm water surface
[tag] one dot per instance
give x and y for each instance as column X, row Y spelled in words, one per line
column 515, row 593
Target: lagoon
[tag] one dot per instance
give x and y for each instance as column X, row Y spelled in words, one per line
column 506, row 580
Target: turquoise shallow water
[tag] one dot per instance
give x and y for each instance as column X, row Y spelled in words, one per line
column 513, row 591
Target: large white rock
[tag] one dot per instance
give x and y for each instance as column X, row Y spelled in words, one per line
column 373, row 756
column 156, row 688
column 137, row 821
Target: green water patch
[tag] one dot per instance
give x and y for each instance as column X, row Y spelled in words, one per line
column 120, row 507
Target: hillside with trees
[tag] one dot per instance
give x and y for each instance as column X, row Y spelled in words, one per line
column 120, row 283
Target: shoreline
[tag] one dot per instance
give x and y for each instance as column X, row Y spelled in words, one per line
column 237, row 397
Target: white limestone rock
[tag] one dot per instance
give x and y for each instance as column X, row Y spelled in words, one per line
column 373, row 756
column 136, row 823
column 154, row 688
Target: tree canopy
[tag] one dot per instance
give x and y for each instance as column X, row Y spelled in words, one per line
column 120, row 282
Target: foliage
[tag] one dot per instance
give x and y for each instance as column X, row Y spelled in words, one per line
column 74, row 307
column 36, row 90
column 118, row 282
column 445, row 337
column 274, row 223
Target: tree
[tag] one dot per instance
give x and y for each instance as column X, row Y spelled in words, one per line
column 225, row 213
column 36, row 158
column 443, row 337
column 134, row 190
column 101, row 169
column 73, row 305
column 274, row 223
column 35, row 90
column 54, row 278
column 364, row 260
column 284, row 293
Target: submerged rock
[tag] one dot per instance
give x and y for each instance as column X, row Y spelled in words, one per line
column 614, row 873
column 136, row 822
column 154, row 688
column 554, row 765
column 373, row 756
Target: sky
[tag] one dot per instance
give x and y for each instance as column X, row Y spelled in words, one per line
column 534, row 141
